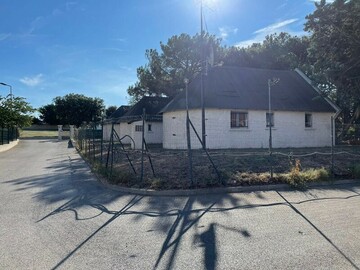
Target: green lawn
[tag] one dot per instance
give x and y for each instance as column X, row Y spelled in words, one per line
column 29, row 134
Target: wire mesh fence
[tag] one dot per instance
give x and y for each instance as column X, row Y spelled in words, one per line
column 155, row 167
column 8, row 135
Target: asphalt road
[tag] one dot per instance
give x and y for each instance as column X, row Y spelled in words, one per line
column 55, row 215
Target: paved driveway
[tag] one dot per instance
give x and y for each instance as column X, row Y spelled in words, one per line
column 55, row 215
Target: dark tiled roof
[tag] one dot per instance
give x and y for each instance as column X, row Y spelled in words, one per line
column 152, row 105
column 120, row 111
column 247, row 89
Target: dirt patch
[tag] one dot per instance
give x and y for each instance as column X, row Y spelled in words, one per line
column 169, row 169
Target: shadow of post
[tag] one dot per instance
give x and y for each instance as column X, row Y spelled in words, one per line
column 208, row 242
column 183, row 217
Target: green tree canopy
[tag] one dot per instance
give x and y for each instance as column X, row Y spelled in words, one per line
column 15, row 111
column 180, row 58
column 48, row 114
column 335, row 52
column 73, row 109
column 110, row 110
column 277, row 51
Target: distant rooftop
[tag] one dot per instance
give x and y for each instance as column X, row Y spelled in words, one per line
column 120, row 111
column 152, row 106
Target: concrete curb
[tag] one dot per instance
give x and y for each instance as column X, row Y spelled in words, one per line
column 222, row 190
column 6, row 147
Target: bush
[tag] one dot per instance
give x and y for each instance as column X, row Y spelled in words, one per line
column 299, row 178
column 355, row 171
column 157, row 183
column 121, row 177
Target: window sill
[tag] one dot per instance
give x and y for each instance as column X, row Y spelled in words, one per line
column 243, row 129
column 271, row 128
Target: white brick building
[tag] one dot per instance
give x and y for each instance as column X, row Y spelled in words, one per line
column 236, row 111
column 128, row 125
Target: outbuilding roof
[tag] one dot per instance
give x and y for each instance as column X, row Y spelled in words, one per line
column 152, row 106
column 120, row 111
column 247, row 89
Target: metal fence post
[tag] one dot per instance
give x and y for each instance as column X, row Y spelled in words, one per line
column 332, row 145
column 142, row 145
column 102, row 141
column 93, row 139
column 8, row 134
column 188, row 138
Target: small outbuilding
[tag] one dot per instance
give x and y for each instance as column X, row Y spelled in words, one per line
column 114, row 118
column 130, row 124
column 236, row 102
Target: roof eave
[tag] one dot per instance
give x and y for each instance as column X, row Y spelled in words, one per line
column 307, row 79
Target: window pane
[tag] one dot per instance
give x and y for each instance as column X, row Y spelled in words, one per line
column 269, row 119
column 308, row 120
column 239, row 119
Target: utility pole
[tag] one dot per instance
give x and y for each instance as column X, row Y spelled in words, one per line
column 203, row 132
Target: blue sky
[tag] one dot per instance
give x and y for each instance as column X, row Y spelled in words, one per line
column 92, row 47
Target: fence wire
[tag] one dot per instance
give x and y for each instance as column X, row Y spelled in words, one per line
column 165, row 168
column 8, row 135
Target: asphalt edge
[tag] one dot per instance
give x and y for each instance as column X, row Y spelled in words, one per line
column 6, row 147
column 221, row 190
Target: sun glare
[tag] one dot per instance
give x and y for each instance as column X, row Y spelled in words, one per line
column 209, row 3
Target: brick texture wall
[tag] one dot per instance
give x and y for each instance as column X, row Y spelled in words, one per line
column 289, row 130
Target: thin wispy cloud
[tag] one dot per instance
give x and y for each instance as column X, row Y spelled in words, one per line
column 120, row 39
column 282, row 6
column 34, row 25
column 226, row 31
column 57, row 12
column 318, row 1
column 274, row 27
column 113, row 50
column 281, row 26
column 4, row 36
column 69, row 5
column 32, row 81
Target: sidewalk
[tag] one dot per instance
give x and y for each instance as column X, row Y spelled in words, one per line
column 6, row 147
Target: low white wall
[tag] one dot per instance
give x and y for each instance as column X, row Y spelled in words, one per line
column 153, row 136
column 123, row 128
column 288, row 131
column 106, row 132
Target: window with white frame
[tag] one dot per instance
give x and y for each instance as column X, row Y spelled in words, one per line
column 308, row 120
column 269, row 119
column 239, row 119
column 138, row 128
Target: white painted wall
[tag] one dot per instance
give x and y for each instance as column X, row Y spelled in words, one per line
column 153, row 136
column 106, row 132
column 288, row 131
column 122, row 129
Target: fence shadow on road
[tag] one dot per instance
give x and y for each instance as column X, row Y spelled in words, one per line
column 72, row 187
column 188, row 217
